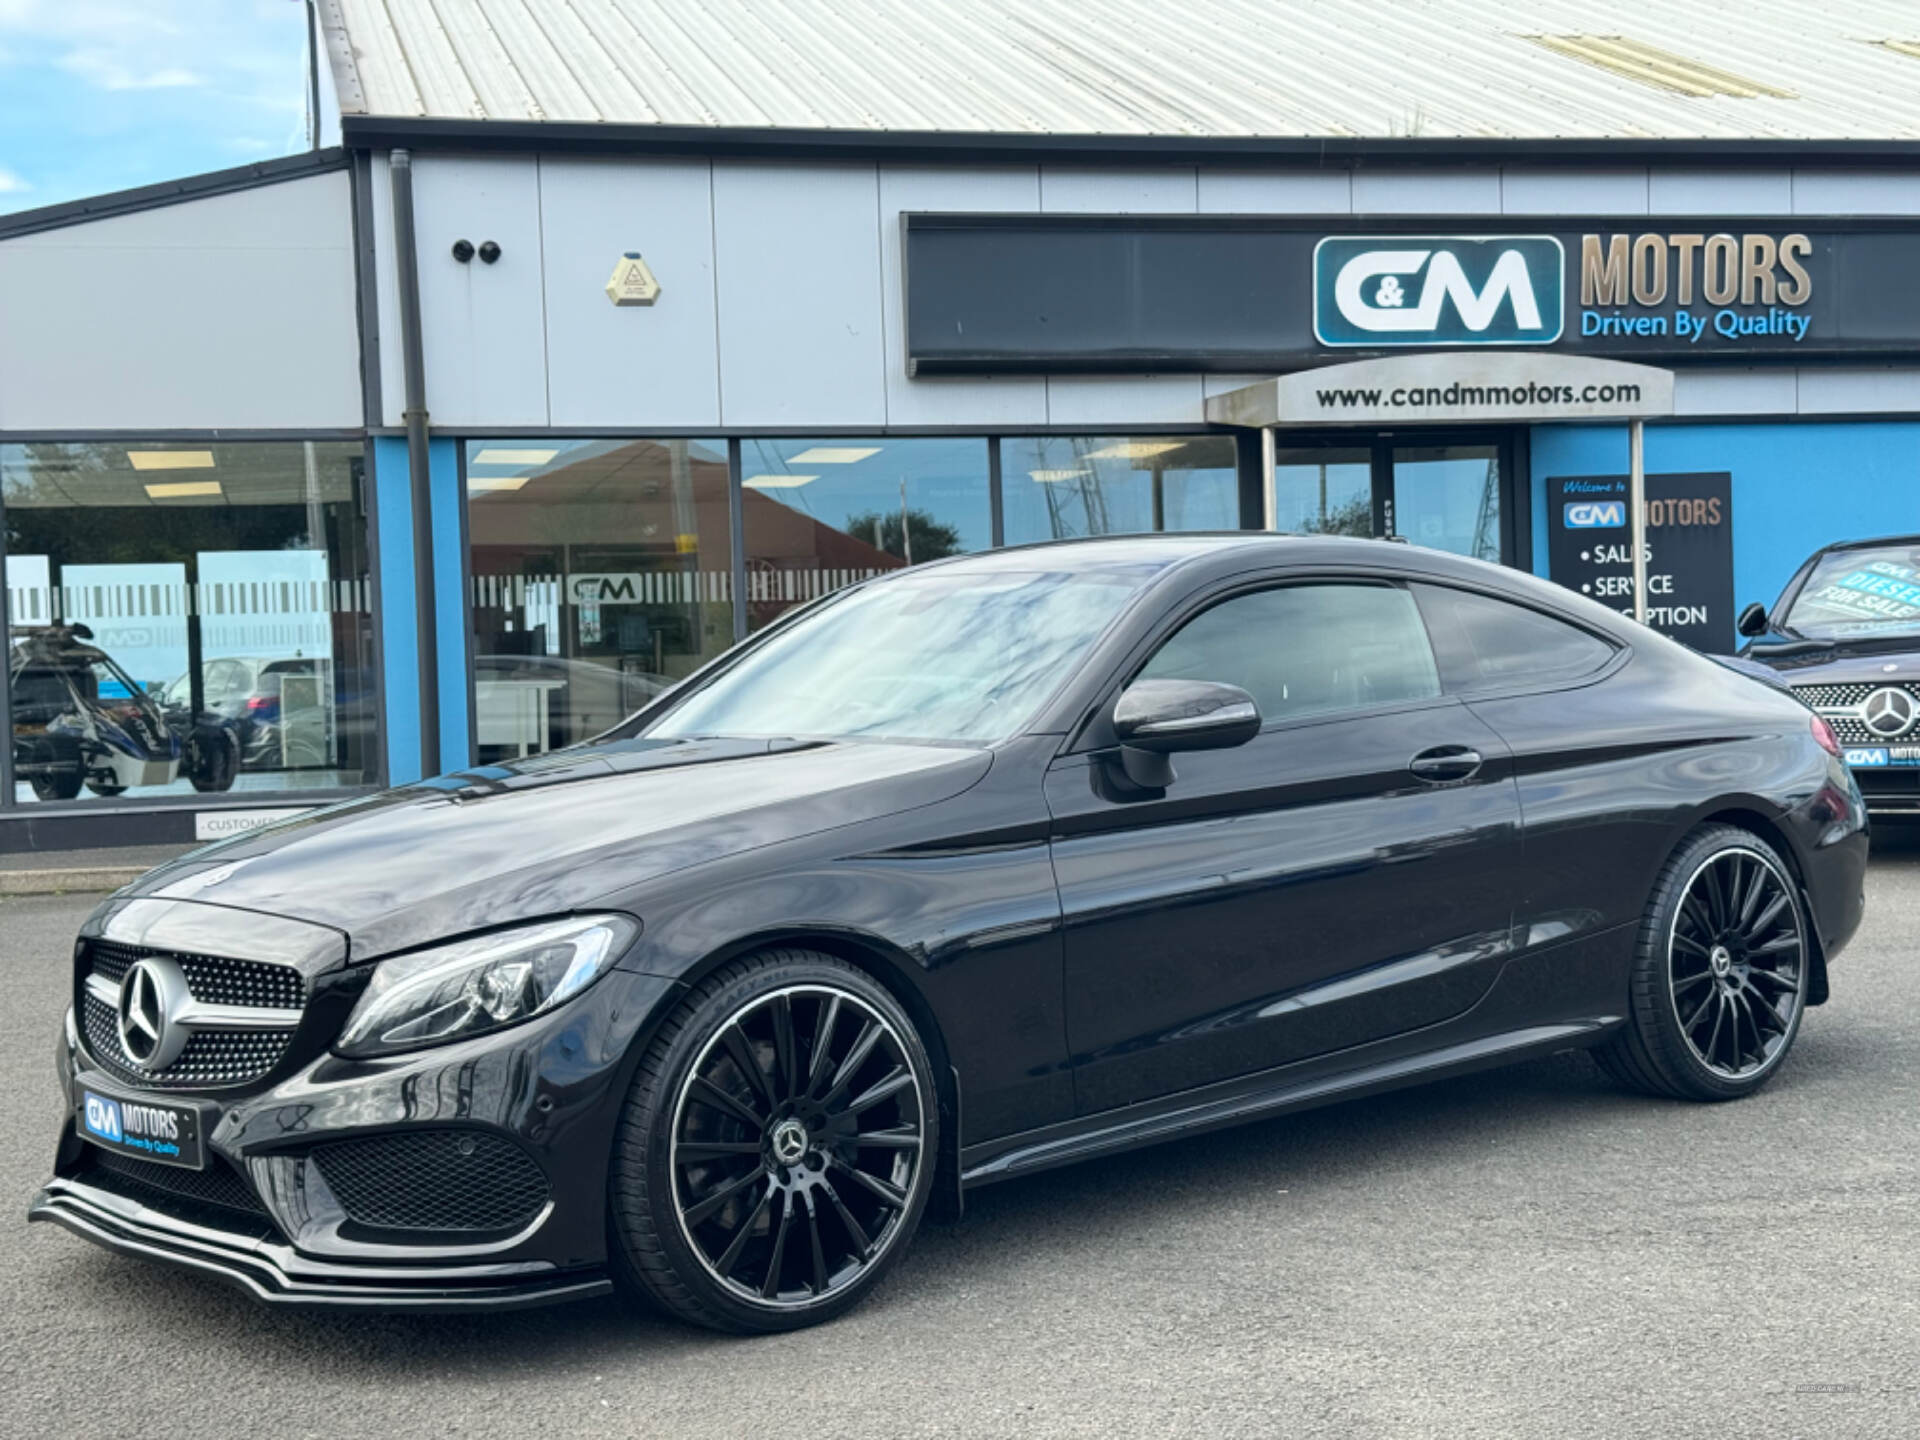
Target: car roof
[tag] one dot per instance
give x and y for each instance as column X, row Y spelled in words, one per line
column 1160, row 559
column 1873, row 544
column 1102, row 552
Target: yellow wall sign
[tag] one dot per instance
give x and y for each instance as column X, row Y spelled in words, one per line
column 632, row 282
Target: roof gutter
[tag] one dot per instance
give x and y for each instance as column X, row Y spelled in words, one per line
column 414, row 368
column 381, row 132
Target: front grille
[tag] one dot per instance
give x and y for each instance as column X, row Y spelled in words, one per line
column 214, row 979
column 216, row 1185
column 434, row 1180
column 213, row 1058
column 1822, row 697
column 1841, row 705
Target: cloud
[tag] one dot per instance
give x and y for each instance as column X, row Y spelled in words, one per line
column 111, row 73
column 12, row 184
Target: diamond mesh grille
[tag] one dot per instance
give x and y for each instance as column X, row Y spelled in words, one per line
column 1823, row 696
column 213, row 979
column 434, row 1180
column 212, row 1058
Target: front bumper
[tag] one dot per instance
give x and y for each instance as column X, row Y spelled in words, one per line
column 275, row 1272
column 271, row 1214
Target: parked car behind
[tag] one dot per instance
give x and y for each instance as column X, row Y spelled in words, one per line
column 1844, row 636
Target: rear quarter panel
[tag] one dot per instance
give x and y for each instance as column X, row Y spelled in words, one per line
column 1612, row 775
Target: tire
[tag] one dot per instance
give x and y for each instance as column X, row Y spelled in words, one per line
column 64, row 786
column 1721, row 964
column 106, row 789
column 739, row 1197
column 217, row 762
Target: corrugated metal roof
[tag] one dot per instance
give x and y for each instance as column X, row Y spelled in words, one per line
column 1363, row 68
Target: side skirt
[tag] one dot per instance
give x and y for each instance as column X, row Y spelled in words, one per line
column 1115, row 1131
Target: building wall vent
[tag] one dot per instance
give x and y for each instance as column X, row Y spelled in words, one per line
column 1662, row 69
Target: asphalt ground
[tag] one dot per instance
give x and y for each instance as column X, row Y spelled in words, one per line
column 1522, row 1253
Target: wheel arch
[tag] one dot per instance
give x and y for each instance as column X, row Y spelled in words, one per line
column 1747, row 816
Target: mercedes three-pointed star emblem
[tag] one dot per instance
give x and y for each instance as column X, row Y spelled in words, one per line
column 1888, row 712
column 151, row 997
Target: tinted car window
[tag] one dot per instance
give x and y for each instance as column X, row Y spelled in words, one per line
column 1307, row 649
column 1488, row 644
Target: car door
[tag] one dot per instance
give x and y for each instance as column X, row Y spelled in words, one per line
column 1343, row 877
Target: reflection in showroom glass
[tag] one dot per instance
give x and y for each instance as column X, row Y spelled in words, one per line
column 820, row 514
column 600, row 578
column 1065, row 487
column 186, row 618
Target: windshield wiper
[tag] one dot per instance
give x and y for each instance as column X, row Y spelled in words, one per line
column 1791, row 647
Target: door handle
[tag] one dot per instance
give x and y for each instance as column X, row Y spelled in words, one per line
column 1444, row 764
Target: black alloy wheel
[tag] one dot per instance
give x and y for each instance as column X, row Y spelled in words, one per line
column 1736, row 963
column 790, row 1137
column 1720, row 975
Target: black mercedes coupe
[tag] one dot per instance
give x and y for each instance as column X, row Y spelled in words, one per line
column 1844, row 636
column 986, row 866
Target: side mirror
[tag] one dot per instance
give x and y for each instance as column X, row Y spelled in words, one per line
column 1752, row 621
column 1156, row 718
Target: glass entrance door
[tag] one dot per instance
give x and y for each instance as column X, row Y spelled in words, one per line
column 1448, row 491
column 1447, row 497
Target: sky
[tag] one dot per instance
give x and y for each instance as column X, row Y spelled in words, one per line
column 100, row 95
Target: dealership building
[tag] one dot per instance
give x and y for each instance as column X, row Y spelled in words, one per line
column 610, row 332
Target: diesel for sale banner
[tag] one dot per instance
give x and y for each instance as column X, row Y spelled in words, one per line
column 1689, row 550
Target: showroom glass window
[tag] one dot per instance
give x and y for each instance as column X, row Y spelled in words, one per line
column 1064, row 487
column 820, row 514
column 187, row 617
column 601, row 574
column 1323, row 491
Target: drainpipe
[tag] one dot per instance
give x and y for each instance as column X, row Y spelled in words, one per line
column 313, row 77
column 413, row 363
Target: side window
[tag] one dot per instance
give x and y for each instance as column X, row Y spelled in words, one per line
column 1488, row 644
column 1307, row 649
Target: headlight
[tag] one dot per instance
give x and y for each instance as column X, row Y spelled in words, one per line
column 472, row 986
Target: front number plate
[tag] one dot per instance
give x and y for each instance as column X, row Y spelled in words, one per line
column 146, row 1129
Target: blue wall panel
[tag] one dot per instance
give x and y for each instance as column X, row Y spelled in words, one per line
column 449, row 601
column 1795, row 487
column 399, row 653
column 399, row 599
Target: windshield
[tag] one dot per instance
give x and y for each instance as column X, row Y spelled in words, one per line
column 959, row 655
column 1872, row 591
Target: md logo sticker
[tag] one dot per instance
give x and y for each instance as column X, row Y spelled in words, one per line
column 1595, row 514
column 1437, row 290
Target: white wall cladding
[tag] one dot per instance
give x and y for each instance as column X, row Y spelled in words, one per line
column 232, row 311
column 485, row 334
column 782, row 292
column 797, row 266
column 1720, row 192
column 591, row 213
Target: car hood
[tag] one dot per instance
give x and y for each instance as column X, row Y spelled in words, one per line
column 1881, row 664
column 551, row 833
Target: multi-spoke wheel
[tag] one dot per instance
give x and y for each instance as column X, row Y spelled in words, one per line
column 1720, row 974
column 778, row 1146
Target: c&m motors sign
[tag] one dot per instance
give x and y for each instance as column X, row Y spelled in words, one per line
column 1379, row 290
column 1238, row 294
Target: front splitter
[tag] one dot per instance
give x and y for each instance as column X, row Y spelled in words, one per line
column 278, row 1275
